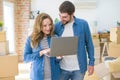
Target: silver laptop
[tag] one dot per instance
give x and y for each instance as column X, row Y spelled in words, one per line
column 61, row 46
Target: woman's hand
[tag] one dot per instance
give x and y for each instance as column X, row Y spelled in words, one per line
column 45, row 51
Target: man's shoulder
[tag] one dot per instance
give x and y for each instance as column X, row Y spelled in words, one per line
column 80, row 20
column 58, row 26
column 58, row 23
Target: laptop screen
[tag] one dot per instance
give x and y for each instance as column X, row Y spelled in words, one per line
column 61, row 46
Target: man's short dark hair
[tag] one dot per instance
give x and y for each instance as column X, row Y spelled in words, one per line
column 67, row 7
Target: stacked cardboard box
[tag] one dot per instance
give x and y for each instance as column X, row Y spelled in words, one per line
column 2, row 36
column 115, row 76
column 101, row 72
column 115, row 35
column 114, row 46
column 95, row 36
column 8, row 67
column 114, row 50
column 96, row 42
column 8, row 63
column 8, row 78
column 4, row 48
column 4, row 45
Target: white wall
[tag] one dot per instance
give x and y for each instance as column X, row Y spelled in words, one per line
column 48, row 6
column 106, row 13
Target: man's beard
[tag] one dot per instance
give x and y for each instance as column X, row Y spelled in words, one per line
column 68, row 21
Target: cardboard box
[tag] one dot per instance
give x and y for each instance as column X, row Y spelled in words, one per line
column 113, row 68
column 95, row 36
column 96, row 42
column 114, row 50
column 8, row 78
column 115, row 35
column 2, row 36
column 4, row 48
column 115, row 76
column 105, row 37
column 97, row 52
column 8, row 65
column 101, row 72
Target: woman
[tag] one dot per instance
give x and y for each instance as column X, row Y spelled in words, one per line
column 37, row 49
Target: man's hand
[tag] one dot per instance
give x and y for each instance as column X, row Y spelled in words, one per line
column 90, row 70
column 59, row 57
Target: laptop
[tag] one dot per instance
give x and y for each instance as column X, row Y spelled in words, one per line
column 61, row 46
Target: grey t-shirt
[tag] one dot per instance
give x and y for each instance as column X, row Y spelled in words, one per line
column 47, row 68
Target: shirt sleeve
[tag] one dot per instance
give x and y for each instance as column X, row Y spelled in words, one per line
column 29, row 55
column 89, row 45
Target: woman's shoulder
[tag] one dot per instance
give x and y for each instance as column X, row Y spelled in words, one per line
column 28, row 39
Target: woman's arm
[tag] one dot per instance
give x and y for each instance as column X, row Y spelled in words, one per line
column 29, row 55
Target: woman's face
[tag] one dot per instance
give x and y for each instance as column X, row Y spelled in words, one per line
column 46, row 26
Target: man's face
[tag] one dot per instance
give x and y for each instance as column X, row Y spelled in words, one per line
column 65, row 18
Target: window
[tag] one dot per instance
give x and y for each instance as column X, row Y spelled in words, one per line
column 9, row 24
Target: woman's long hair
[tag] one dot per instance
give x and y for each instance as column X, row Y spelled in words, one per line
column 37, row 34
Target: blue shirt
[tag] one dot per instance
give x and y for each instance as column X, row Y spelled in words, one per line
column 37, row 70
column 85, row 44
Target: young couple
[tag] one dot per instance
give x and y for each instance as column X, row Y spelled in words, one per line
column 37, row 47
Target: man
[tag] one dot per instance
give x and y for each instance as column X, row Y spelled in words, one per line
column 74, row 66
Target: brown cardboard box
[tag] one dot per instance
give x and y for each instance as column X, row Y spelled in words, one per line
column 2, row 36
column 95, row 36
column 105, row 37
column 114, row 50
column 96, row 42
column 101, row 72
column 8, row 78
column 8, row 65
column 115, row 76
column 115, row 35
column 4, row 47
